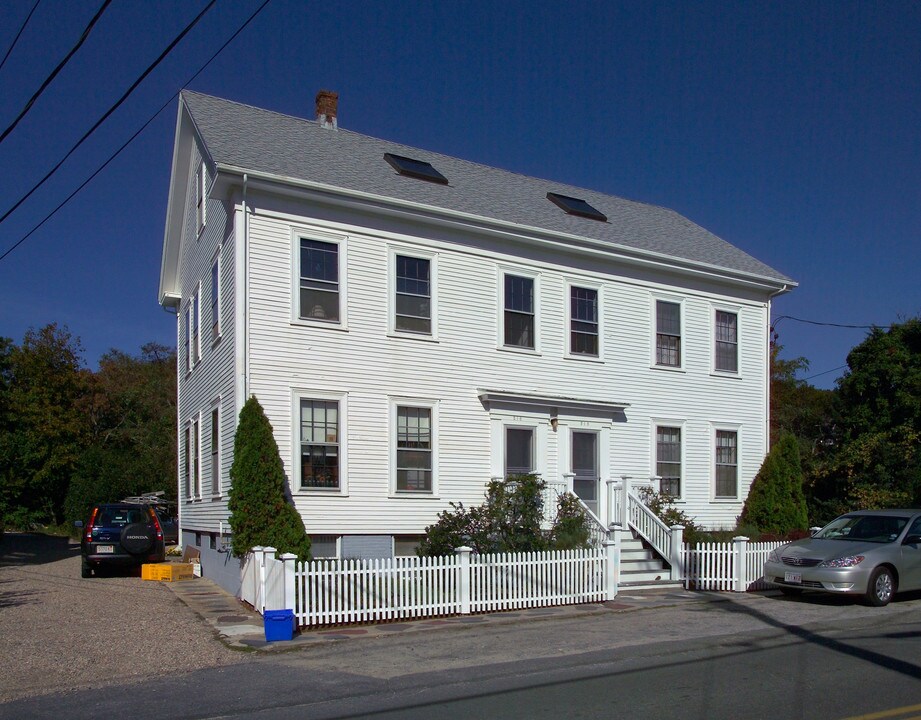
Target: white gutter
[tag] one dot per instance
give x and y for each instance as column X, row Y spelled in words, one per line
column 767, row 380
column 519, row 231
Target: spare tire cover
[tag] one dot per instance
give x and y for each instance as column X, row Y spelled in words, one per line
column 138, row 538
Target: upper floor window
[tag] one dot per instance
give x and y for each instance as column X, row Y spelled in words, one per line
column 668, row 333
column 319, row 440
column 319, row 280
column 215, row 299
column 196, row 322
column 201, row 205
column 668, row 460
column 727, row 464
column 519, row 311
column 726, row 351
column 187, row 338
column 583, row 309
column 413, row 302
column 414, row 449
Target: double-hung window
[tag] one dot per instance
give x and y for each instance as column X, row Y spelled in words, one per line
column 583, row 318
column 668, row 333
column 519, row 311
column 188, row 338
column 319, row 440
column 215, row 451
column 727, row 464
column 319, row 280
column 196, row 461
column 519, row 451
column 215, row 299
column 196, row 322
column 668, row 459
column 187, row 466
column 726, row 349
column 413, row 301
column 414, row 449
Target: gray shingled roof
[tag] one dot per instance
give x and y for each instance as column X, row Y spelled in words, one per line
column 263, row 141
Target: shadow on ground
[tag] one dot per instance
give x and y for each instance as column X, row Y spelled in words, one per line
column 35, row 549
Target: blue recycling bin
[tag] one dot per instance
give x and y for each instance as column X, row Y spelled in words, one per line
column 279, row 625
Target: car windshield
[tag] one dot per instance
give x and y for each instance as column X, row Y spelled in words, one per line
column 866, row 528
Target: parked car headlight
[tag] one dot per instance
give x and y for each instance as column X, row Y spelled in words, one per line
column 774, row 556
column 843, row 562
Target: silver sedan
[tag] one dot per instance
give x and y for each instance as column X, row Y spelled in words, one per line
column 872, row 553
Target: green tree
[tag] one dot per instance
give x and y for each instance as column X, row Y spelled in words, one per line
column 776, row 503
column 130, row 413
column 260, row 513
column 874, row 457
column 46, row 427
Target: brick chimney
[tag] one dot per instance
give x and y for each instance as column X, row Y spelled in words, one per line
column 327, row 106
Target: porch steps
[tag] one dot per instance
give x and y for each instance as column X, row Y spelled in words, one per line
column 641, row 568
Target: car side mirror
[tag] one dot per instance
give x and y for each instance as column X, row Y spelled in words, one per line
column 912, row 540
column 78, row 523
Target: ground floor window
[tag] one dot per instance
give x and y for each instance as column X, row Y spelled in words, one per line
column 414, row 449
column 727, row 464
column 519, row 451
column 319, row 444
column 668, row 460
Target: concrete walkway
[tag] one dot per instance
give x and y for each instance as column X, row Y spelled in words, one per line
column 239, row 626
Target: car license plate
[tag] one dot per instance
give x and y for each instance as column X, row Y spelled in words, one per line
column 792, row 577
column 103, row 549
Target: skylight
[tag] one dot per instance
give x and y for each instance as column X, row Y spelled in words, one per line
column 576, row 206
column 415, row 168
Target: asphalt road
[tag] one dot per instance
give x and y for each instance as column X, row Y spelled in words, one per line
column 751, row 656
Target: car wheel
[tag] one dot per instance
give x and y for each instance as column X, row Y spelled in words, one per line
column 85, row 569
column 881, row 587
column 791, row 592
column 138, row 538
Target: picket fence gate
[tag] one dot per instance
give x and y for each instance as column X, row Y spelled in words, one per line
column 729, row 566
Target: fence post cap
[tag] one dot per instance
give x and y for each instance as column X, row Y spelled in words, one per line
column 676, row 527
column 287, row 556
column 257, row 548
column 740, row 538
column 269, row 548
column 463, row 549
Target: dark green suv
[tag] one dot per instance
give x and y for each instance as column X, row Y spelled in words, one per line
column 121, row 535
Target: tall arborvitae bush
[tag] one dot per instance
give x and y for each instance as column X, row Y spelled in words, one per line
column 776, row 503
column 260, row 513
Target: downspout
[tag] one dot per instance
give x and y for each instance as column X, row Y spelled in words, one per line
column 767, row 379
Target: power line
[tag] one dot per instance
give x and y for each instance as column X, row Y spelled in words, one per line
column 840, row 367
column 54, row 73
column 21, row 28
column 137, row 132
column 111, row 110
column 826, row 324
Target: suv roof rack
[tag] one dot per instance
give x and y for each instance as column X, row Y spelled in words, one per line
column 149, row 498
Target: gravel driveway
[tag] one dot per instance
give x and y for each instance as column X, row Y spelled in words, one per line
column 61, row 632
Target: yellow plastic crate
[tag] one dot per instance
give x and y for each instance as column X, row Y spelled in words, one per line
column 167, row 572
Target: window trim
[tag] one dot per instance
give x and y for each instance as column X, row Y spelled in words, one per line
column 681, row 425
column 395, row 403
column 306, row 233
column 299, row 394
column 682, row 337
column 568, row 286
column 733, row 428
column 193, row 463
column 535, row 450
column 734, row 310
column 196, row 326
column 420, row 254
column 187, row 339
column 217, row 325
column 201, row 197
column 534, row 276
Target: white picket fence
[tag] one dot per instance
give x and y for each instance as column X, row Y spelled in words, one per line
column 731, row 566
column 329, row 592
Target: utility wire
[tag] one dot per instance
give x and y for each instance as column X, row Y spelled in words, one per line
column 111, row 110
column 826, row 324
column 825, row 372
column 16, row 39
column 54, row 73
column 138, row 132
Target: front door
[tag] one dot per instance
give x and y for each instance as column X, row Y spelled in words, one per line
column 585, row 468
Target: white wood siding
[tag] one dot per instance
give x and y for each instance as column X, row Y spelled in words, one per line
column 211, row 380
column 369, row 367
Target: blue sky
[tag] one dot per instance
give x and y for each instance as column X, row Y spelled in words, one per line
column 789, row 129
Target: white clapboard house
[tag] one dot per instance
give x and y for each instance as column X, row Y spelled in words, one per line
column 415, row 325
